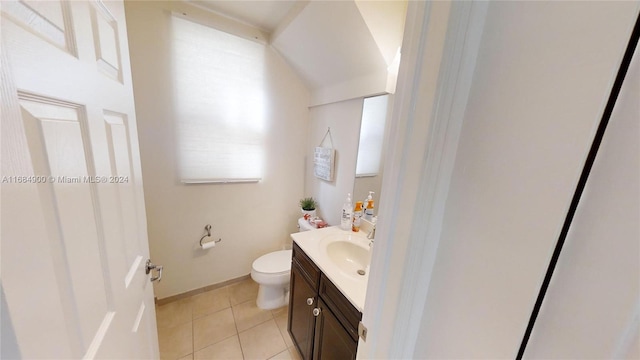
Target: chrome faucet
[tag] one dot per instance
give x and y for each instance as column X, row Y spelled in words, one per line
column 371, row 236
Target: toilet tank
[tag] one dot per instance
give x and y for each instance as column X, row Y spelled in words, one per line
column 304, row 225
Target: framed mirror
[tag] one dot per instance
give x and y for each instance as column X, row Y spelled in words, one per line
column 371, row 148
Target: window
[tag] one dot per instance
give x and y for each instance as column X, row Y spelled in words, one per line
column 219, row 107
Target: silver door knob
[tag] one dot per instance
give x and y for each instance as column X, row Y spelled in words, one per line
column 151, row 266
column 310, row 301
column 316, row 312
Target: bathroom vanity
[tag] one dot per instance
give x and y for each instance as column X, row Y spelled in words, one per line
column 328, row 286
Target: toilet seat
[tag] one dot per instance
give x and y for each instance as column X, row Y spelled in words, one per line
column 276, row 263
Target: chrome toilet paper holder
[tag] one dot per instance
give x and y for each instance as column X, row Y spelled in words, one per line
column 208, row 234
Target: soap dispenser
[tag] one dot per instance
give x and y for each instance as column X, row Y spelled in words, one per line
column 368, row 212
column 357, row 215
column 347, row 211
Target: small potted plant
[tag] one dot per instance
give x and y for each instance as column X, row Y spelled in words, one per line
column 308, row 207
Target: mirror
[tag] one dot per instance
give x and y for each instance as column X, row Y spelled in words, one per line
column 371, row 147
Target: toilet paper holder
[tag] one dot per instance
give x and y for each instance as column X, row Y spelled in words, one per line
column 208, row 234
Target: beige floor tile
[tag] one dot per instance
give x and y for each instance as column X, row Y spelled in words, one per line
column 209, row 302
column 262, row 341
column 281, row 321
column 243, row 291
column 226, row 349
column 281, row 310
column 212, row 328
column 174, row 313
column 285, row 355
column 295, row 355
column 188, row 357
column 248, row 315
column 176, row 341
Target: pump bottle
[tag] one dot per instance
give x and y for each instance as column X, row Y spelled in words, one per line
column 357, row 215
column 368, row 212
column 347, row 211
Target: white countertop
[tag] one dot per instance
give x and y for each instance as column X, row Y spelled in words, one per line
column 352, row 286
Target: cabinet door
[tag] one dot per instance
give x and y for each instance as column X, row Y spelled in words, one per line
column 301, row 319
column 332, row 340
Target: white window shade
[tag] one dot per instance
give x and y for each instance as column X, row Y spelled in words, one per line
column 218, row 89
column 374, row 115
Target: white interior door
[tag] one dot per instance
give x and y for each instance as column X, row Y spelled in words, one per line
column 74, row 240
column 592, row 307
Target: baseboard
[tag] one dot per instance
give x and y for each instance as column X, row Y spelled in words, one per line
column 190, row 293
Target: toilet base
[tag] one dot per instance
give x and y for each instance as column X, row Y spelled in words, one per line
column 272, row 297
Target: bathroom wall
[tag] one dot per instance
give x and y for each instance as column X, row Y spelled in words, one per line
column 344, row 120
column 543, row 75
column 251, row 219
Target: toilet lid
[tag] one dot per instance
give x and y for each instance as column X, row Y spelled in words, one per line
column 274, row 262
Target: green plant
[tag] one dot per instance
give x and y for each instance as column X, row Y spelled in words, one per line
column 308, row 204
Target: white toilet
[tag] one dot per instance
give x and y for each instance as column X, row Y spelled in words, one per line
column 272, row 272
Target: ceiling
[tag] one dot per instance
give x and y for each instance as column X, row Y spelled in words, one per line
column 265, row 15
column 329, row 42
column 341, row 49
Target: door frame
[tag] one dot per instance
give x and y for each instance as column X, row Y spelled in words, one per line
column 439, row 52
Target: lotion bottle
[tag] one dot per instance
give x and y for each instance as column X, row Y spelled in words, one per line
column 347, row 212
column 357, row 215
column 368, row 212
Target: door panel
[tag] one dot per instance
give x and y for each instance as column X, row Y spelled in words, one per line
column 120, row 169
column 105, row 37
column 50, row 20
column 74, row 240
column 592, row 306
column 56, row 143
column 332, row 340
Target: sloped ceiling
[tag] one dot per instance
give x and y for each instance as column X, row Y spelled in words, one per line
column 329, row 42
column 342, row 49
column 265, row 15
column 385, row 20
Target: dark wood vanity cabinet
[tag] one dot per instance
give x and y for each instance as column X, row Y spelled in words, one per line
column 322, row 322
column 301, row 319
column 332, row 341
column 336, row 335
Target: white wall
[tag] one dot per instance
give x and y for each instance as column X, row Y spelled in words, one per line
column 589, row 309
column 251, row 219
column 344, row 120
column 542, row 77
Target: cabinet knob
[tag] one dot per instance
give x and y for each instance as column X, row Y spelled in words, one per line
column 310, row 301
column 316, row 312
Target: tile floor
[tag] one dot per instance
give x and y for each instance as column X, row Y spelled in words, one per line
column 224, row 323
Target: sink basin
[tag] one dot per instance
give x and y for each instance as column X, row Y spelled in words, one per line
column 350, row 256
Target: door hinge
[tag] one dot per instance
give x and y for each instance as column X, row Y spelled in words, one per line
column 362, row 331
